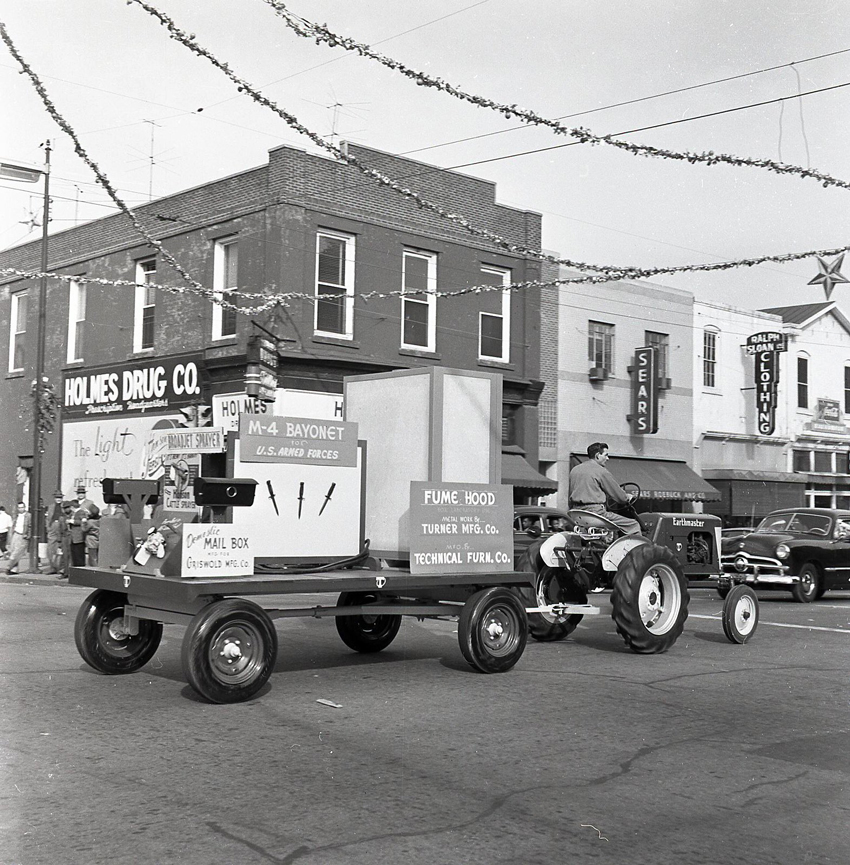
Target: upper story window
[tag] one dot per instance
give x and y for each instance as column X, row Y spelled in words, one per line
column 709, row 357
column 661, row 343
column 846, row 389
column 76, row 320
column 145, row 305
column 600, row 345
column 225, row 281
column 494, row 322
column 802, row 381
column 334, row 285
column 18, row 331
column 419, row 300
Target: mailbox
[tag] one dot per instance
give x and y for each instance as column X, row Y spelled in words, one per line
column 225, row 492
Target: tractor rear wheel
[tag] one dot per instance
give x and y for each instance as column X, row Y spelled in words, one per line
column 547, row 589
column 650, row 599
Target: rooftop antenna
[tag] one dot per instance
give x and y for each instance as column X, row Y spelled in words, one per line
column 153, row 124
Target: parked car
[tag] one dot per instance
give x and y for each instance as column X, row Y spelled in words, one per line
column 736, row 531
column 532, row 522
column 804, row 550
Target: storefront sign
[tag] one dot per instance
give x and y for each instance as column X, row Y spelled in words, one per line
column 767, row 340
column 261, row 371
column 460, row 528
column 135, row 388
column 227, row 407
column 644, row 416
column 216, row 550
column 205, row 440
column 306, row 441
column 828, row 411
column 767, row 382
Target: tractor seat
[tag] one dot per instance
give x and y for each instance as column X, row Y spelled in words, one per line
column 588, row 520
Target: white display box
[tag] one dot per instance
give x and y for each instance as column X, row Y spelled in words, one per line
column 430, row 424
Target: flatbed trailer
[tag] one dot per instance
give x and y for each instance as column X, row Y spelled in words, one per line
column 230, row 643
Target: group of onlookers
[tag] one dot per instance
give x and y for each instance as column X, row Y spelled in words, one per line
column 72, row 534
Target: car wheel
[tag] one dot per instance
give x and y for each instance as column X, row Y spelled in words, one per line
column 806, row 591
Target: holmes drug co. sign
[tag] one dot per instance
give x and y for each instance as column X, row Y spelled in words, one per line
column 140, row 387
column 765, row 348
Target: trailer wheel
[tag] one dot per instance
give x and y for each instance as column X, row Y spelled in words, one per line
column 740, row 614
column 365, row 633
column 650, row 599
column 229, row 650
column 104, row 643
column 493, row 630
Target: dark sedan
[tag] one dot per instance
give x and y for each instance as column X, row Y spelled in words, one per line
column 804, row 550
column 536, row 521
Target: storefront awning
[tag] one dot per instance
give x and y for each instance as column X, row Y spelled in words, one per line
column 517, row 470
column 662, row 479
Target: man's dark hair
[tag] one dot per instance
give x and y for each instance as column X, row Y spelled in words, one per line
column 596, row 448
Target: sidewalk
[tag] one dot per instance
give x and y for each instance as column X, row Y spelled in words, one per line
column 27, row 576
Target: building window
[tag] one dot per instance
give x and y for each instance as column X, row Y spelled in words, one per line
column 419, row 300
column 145, row 305
column 802, row 461
column 18, row 331
column 600, row 345
column 709, row 358
column 842, row 463
column 823, row 462
column 661, row 343
column 847, row 389
column 802, row 382
column 225, row 281
column 494, row 322
column 76, row 320
column 335, row 282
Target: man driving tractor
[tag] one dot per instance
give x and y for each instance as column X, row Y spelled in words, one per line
column 592, row 485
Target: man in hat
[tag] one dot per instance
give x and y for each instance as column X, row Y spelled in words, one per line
column 85, row 543
column 54, row 539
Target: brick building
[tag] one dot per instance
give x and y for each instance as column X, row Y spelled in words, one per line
column 300, row 223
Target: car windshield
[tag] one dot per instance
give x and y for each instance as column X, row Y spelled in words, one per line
column 801, row 523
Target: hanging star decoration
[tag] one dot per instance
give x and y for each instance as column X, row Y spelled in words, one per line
column 830, row 274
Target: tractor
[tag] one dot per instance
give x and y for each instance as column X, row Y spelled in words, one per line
column 647, row 574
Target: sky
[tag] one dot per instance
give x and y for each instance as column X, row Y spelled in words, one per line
column 157, row 119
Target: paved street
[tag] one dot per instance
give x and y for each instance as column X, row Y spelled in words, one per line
column 583, row 753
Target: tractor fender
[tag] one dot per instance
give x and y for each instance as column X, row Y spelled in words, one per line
column 615, row 554
column 548, row 547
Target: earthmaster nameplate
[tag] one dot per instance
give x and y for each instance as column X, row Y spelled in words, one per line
column 460, row 528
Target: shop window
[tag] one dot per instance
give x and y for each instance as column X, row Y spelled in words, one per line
column 145, row 305
column 18, row 331
column 335, row 285
column 802, row 382
column 419, row 300
column 661, row 343
column 600, row 346
column 823, row 461
column 494, row 328
column 225, row 282
column 802, row 461
column 709, row 357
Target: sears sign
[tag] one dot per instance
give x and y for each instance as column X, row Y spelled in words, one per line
column 138, row 387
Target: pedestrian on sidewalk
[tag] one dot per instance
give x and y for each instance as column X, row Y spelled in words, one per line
column 20, row 538
column 6, row 523
column 54, row 542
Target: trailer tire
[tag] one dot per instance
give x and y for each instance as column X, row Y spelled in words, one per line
column 740, row 614
column 650, row 599
column 365, row 633
column 493, row 630
column 229, row 650
column 102, row 640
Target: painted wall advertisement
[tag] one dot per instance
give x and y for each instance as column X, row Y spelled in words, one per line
column 460, row 528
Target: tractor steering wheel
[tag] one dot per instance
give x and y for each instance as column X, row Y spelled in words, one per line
column 632, row 489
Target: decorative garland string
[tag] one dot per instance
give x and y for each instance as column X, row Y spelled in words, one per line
column 321, row 33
